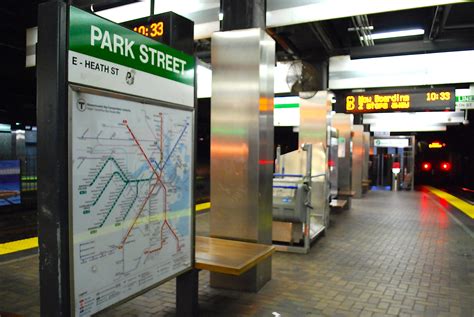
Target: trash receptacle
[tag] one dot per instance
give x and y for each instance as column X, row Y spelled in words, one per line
column 395, row 172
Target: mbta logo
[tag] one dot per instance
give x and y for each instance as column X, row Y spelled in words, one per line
column 81, row 105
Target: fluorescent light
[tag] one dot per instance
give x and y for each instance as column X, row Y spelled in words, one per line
column 412, row 121
column 204, row 81
column 403, row 33
column 407, row 128
column 5, row 127
column 414, row 118
column 405, row 70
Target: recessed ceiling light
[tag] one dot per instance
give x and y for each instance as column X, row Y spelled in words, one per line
column 402, row 33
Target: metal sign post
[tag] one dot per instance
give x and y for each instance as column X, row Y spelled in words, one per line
column 116, row 114
column 53, row 218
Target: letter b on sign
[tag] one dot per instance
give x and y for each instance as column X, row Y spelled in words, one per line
column 350, row 103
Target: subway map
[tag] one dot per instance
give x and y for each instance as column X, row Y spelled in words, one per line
column 131, row 197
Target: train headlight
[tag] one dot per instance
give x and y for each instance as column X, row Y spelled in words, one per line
column 426, row 166
column 445, row 166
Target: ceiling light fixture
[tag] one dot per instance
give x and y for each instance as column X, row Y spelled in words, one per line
column 394, row 34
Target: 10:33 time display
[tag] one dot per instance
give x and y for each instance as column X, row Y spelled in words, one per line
column 435, row 96
column 153, row 30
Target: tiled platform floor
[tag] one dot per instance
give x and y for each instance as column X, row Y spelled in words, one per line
column 391, row 254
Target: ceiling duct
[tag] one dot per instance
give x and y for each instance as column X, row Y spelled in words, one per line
column 362, row 29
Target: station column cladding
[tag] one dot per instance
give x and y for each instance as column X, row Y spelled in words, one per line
column 243, row 59
column 343, row 123
column 357, row 159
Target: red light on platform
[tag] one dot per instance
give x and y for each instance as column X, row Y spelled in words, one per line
column 426, row 166
column 446, row 166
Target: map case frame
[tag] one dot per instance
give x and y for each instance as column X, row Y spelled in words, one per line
column 85, row 304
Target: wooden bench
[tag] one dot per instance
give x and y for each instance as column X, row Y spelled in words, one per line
column 365, row 185
column 338, row 203
column 345, row 197
column 346, row 193
column 216, row 255
column 229, row 256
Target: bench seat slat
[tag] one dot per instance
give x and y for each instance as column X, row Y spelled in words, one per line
column 229, row 256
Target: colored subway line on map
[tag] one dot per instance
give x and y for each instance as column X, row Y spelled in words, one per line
column 126, row 180
column 113, row 205
column 110, row 159
column 174, row 147
column 158, row 180
column 131, row 205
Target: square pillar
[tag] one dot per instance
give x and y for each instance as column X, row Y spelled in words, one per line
column 242, row 146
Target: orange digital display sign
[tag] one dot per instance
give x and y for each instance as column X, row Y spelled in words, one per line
column 168, row 28
column 153, row 30
column 436, row 145
column 419, row 100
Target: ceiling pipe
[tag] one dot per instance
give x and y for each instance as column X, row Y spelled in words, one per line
column 363, row 29
column 358, row 30
column 355, row 29
column 459, row 26
column 447, row 11
column 368, row 29
column 364, row 34
column 322, row 36
column 439, row 21
column 286, row 46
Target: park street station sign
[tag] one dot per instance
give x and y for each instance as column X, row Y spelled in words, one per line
column 105, row 55
column 131, row 162
column 465, row 102
column 434, row 99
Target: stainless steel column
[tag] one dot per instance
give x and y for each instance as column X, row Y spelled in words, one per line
column 343, row 123
column 242, row 146
column 413, row 153
column 365, row 159
column 313, row 128
column 357, row 159
column 333, row 160
column 314, row 114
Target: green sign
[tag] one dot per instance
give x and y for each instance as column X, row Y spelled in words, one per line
column 287, row 105
column 99, row 38
column 464, row 98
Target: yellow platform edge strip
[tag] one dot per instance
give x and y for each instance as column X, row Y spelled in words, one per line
column 463, row 206
column 30, row 243
column 19, row 245
column 203, row 206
